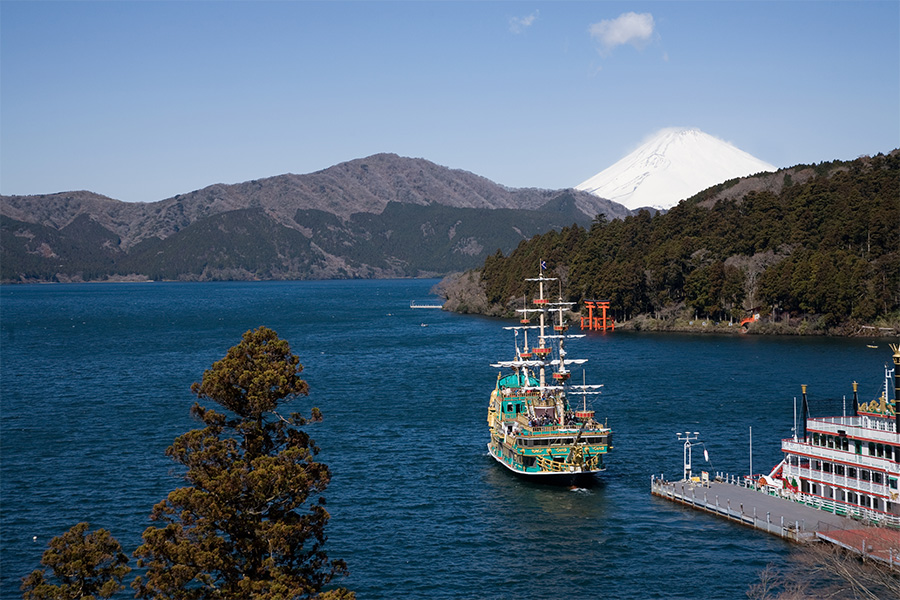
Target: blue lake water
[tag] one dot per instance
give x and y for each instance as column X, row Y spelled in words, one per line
column 95, row 384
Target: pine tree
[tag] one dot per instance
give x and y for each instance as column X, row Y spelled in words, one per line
column 250, row 523
column 84, row 567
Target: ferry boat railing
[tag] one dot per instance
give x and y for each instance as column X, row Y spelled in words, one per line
column 556, row 466
column 859, row 426
column 843, row 456
column 845, row 481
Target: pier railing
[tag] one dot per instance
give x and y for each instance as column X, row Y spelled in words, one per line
column 865, row 515
column 879, row 542
column 699, row 497
column 858, row 513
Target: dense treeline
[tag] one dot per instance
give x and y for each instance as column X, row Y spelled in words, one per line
column 828, row 247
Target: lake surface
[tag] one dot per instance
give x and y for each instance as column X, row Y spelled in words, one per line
column 95, row 382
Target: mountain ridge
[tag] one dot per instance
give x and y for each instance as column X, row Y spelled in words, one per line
column 338, row 210
column 360, row 185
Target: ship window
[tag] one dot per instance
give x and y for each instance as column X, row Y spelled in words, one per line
column 888, row 452
column 816, row 439
column 858, row 446
column 851, row 472
column 871, row 448
column 838, row 469
column 864, row 475
column 817, row 465
column 879, row 450
column 846, row 444
column 876, row 477
column 892, row 482
column 830, row 441
column 826, row 467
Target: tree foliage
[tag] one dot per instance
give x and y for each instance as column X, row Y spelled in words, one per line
column 829, row 246
column 84, row 566
column 250, row 523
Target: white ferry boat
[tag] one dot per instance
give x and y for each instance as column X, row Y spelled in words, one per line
column 848, row 465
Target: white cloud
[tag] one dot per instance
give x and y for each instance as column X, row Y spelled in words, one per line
column 520, row 24
column 627, row 28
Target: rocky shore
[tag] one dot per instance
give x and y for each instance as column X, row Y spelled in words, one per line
column 464, row 293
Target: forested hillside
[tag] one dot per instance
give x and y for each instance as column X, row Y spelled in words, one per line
column 826, row 250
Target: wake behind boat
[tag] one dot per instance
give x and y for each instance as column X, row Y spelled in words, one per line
column 537, row 430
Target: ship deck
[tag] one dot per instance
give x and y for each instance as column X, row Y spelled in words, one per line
column 778, row 516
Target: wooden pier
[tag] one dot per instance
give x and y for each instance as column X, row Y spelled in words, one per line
column 795, row 521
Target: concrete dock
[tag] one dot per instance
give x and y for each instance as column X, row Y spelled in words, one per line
column 782, row 517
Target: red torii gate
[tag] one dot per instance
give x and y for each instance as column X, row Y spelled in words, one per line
column 599, row 323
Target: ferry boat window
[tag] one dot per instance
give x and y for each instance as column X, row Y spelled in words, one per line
column 871, row 448
column 816, row 439
column 851, row 497
column 817, row 465
column 879, row 450
column 876, row 477
column 858, row 446
column 838, row 469
column 826, row 467
column 892, row 483
column 864, row 475
column 851, row 472
column 888, row 452
column 830, row 441
column 846, row 444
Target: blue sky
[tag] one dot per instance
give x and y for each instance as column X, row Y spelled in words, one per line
column 144, row 100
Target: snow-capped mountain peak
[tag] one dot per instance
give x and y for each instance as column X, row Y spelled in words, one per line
column 673, row 165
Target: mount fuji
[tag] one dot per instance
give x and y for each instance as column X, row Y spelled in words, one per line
column 675, row 164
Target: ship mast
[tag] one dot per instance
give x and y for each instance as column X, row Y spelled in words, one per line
column 542, row 350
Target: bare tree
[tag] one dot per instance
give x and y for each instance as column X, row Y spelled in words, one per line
column 826, row 571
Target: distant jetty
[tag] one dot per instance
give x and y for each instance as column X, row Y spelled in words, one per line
column 425, row 304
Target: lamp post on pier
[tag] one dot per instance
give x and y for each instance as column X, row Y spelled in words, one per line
column 687, row 439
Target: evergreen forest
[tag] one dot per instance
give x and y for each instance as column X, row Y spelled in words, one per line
column 824, row 253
